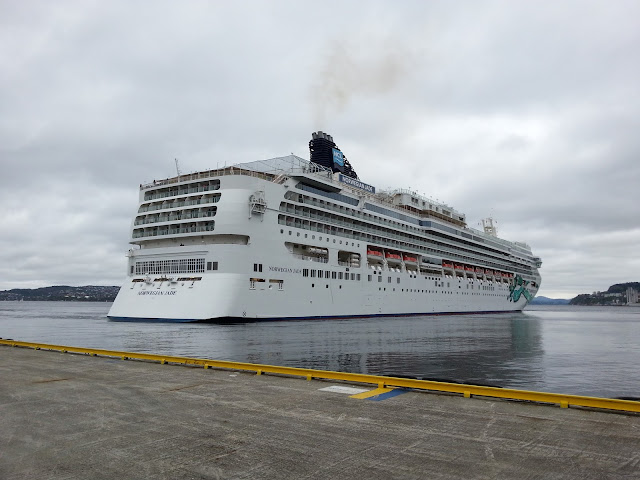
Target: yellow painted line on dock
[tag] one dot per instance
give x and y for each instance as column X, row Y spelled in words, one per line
column 467, row 391
column 371, row 393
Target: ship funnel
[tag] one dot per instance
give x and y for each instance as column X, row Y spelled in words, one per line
column 326, row 153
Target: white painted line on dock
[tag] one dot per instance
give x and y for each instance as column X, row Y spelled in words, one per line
column 346, row 390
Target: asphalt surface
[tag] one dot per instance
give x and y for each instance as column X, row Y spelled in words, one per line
column 65, row 416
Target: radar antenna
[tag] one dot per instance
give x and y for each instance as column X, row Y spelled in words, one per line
column 177, row 167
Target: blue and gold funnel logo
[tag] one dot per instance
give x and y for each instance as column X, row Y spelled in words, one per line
column 338, row 158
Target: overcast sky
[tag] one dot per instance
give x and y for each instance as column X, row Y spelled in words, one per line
column 526, row 111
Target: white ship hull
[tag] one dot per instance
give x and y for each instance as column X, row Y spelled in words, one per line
column 227, row 297
column 278, row 255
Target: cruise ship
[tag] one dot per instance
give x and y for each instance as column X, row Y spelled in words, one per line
column 287, row 238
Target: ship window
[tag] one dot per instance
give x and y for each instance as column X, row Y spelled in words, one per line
column 132, row 269
column 339, row 275
column 369, row 277
column 358, row 276
column 333, row 275
column 305, row 272
column 379, row 279
column 313, row 274
column 398, row 280
column 388, row 279
column 327, row 274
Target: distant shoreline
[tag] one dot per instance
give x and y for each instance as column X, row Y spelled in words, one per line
column 62, row 293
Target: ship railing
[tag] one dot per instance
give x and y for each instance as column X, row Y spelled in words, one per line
column 345, row 263
column 310, row 258
column 386, row 239
column 200, row 201
column 269, row 169
column 220, row 172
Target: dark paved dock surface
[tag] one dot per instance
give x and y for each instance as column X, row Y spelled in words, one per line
column 77, row 417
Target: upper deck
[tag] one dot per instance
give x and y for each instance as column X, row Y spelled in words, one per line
column 400, row 204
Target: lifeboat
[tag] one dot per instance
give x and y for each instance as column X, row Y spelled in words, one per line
column 392, row 256
column 458, row 267
column 447, row 265
column 489, row 272
column 409, row 258
column 498, row 274
column 371, row 251
column 479, row 270
column 468, row 269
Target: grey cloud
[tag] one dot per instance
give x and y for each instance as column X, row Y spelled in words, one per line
column 528, row 112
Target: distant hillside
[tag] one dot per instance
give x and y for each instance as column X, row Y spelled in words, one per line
column 88, row 293
column 549, row 301
column 622, row 287
column 615, row 295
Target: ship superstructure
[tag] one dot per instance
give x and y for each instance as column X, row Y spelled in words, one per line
column 291, row 238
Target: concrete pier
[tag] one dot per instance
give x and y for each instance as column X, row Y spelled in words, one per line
column 66, row 416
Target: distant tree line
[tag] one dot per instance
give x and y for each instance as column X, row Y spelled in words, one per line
column 64, row 293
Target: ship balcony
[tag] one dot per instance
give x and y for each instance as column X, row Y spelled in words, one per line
column 184, row 229
column 182, row 190
column 386, row 237
column 176, row 216
column 179, row 203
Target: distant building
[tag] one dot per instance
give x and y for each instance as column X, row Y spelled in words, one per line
column 632, row 296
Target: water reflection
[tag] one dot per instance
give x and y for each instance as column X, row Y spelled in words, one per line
column 465, row 348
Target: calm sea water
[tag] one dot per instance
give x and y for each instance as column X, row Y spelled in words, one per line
column 576, row 350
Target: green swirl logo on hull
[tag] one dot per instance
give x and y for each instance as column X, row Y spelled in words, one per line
column 518, row 289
